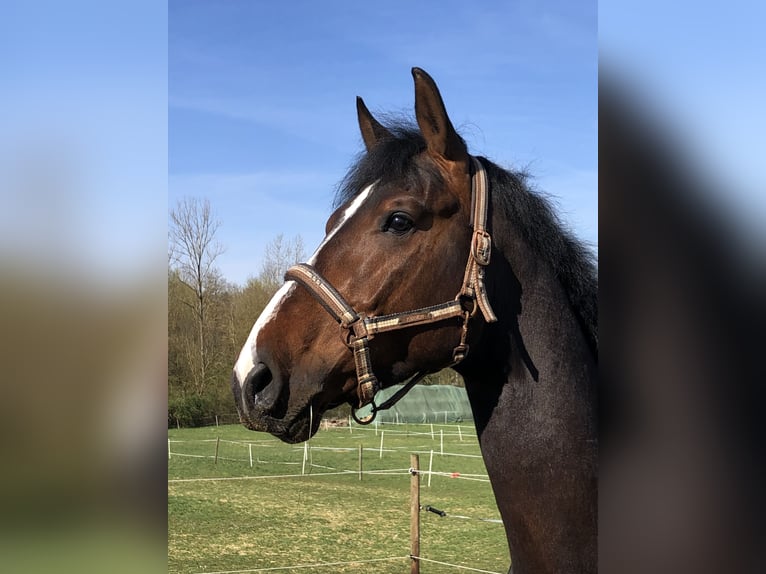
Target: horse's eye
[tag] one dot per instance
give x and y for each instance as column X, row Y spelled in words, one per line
column 399, row 223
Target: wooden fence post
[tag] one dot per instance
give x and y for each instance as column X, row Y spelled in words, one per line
column 360, row 461
column 415, row 514
column 217, row 442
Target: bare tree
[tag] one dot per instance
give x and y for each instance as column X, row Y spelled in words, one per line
column 193, row 251
column 280, row 254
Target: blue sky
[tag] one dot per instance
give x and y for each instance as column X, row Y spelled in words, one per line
column 83, row 138
column 262, row 119
column 251, row 104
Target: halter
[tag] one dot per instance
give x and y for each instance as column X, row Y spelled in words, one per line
column 359, row 329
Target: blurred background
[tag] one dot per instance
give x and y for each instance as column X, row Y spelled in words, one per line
column 681, row 227
column 83, row 271
column 83, row 235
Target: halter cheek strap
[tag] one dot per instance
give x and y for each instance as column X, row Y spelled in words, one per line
column 360, row 329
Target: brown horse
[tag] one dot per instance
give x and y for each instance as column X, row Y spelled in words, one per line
column 435, row 258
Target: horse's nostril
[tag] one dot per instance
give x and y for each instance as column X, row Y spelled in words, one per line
column 262, row 392
column 258, row 379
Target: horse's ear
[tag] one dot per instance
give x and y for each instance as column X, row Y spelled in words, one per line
column 435, row 125
column 372, row 130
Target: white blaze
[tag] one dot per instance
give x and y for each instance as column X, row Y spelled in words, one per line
column 347, row 214
column 246, row 360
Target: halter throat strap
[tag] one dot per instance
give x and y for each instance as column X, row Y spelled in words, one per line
column 360, row 329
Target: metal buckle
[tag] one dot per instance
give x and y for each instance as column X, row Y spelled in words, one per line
column 481, row 247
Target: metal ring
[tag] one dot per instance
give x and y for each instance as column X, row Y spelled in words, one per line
column 463, row 299
column 346, row 335
column 365, row 420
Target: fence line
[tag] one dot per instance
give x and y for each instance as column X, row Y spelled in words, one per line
column 233, row 419
column 454, row 475
column 218, row 458
column 444, row 453
column 351, row 562
column 459, row 434
column 414, row 556
column 454, row 565
column 415, row 509
column 269, row 443
column 394, row 471
column 307, row 462
column 260, row 477
column 433, row 432
column 490, row 520
column 318, row 565
column 326, row 448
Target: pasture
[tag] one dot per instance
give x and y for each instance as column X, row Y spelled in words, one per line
column 302, row 504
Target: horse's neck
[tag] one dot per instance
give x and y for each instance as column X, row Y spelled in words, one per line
column 532, row 390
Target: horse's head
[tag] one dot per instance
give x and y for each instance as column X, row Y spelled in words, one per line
column 398, row 242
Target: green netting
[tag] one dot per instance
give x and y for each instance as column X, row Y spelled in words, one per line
column 426, row 404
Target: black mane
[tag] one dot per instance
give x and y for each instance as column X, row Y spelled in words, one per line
column 533, row 216
column 531, row 213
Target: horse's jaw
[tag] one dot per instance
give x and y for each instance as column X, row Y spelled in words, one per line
column 291, row 415
column 293, row 430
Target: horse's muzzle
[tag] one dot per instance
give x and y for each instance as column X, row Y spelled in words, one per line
column 262, row 404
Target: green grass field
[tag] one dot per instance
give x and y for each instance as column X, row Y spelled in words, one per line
column 271, row 515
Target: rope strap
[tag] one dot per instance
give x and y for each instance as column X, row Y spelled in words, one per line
column 368, row 382
column 481, row 243
column 324, row 292
column 413, row 318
